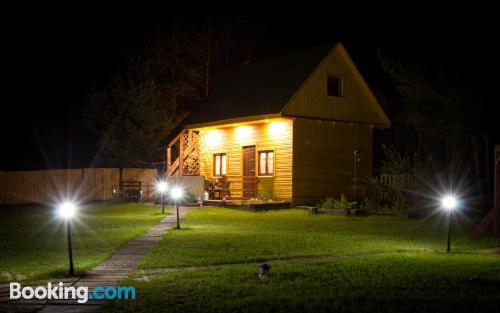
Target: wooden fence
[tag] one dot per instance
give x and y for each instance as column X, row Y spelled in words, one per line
column 49, row 186
column 395, row 188
column 397, row 181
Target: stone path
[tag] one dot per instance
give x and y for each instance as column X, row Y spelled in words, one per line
column 109, row 273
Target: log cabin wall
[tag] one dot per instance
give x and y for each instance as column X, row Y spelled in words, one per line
column 275, row 135
column 323, row 158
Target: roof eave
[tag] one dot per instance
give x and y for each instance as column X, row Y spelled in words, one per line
column 233, row 120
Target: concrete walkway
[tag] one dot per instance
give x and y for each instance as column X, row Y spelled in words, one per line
column 109, row 273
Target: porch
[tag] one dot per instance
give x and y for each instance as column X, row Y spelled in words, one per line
column 188, row 155
column 249, row 205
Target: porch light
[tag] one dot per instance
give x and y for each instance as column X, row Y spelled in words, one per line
column 67, row 210
column 243, row 132
column 449, row 203
column 213, row 138
column 276, row 128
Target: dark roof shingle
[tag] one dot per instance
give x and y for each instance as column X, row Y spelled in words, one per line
column 259, row 88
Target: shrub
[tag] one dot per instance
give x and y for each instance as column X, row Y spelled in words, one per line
column 266, row 196
column 332, row 203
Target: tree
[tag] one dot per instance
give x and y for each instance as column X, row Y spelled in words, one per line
column 131, row 121
column 445, row 116
column 134, row 112
column 175, row 71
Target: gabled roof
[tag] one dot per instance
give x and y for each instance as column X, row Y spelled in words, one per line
column 261, row 88
column 267, row 89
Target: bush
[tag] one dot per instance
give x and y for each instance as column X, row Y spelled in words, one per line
column 189, row 198
column 266, row 196
column 384, row 199
column 340, row 204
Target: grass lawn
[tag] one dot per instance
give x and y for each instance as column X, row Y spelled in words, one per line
column 393, row 282
column 217, row 235
column 33, row 240
column 408, row 272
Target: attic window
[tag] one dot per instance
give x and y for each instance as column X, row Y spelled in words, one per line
column 334, row 86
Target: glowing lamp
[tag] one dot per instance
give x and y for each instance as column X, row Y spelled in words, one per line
column 449, row 202
column 213, row 138
column 161, row 186
column 243, row 132
column 276, row 128
column 177, row 193
column 67, row 210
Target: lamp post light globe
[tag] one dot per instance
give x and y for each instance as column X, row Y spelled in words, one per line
column 449, row 203
column 67, row 210
column 162, row 188
column 176, row 194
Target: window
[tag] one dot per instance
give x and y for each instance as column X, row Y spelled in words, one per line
column 334, row 86
column 220, row 161
column 266, row 163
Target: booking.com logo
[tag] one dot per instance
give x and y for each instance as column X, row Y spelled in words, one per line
column 81, row 293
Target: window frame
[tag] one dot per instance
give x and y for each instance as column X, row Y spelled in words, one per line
column 340, row 83
column 266, row 173
column 221, row 154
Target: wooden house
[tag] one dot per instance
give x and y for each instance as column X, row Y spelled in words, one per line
column 299, row 127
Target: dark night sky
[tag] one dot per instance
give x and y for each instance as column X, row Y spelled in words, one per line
column 50, row 63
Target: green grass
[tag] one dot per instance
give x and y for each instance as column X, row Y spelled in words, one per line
column 392, row 282
column 33, row 241
column 217, row 235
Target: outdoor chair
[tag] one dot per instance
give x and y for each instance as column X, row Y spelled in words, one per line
column 218, row 188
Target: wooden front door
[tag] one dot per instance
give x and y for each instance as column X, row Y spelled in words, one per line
column 249, row 179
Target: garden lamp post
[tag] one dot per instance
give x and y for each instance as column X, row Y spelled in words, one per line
column 356, row 160
column 176, row 195
column 449, row 203
column 162, row 188
column 67, row 210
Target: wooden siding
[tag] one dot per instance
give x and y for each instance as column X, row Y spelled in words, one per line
column 357, row 103
column 275, row 135
column 323, row 159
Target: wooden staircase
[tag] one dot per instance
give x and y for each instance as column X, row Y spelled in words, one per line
column 187, row 162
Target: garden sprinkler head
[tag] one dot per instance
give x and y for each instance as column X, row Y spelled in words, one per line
column 264, row 269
